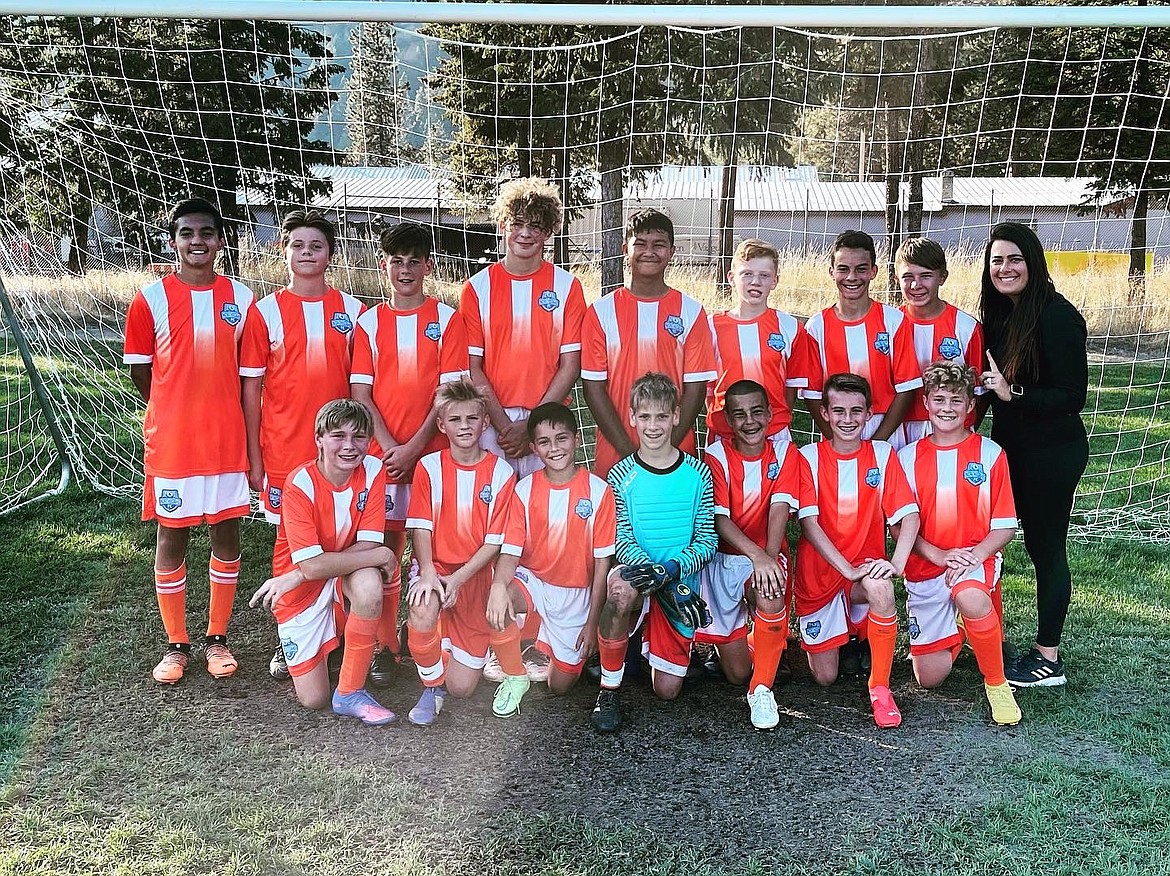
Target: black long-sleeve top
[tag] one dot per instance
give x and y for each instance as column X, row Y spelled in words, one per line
column 1048, row 414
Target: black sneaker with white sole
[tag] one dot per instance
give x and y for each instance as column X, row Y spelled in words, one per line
column 1035, row 670
column 278, row 665
column 607, row 714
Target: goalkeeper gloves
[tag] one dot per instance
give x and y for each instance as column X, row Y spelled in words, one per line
column 683, row 607
column 651, row 577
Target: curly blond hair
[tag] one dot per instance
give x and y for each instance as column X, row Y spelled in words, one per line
column 535, row 199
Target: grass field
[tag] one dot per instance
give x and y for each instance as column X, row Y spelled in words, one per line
column 106, row 773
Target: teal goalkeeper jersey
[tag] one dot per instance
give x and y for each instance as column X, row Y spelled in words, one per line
column 665, row 514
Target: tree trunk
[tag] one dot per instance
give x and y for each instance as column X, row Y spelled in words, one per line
column 726, row 223
column 79, row 230
column 1137, row 247
column 561, row 254
column 893, row 231
column 612, row 226
column 232, row 223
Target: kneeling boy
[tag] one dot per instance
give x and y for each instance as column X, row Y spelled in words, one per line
column 554, row 561
column 844, row 583
column 968, row 516
column 329, row 548
column 665, row 535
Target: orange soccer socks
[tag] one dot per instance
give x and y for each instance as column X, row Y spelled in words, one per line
column 613, row 660
column 360, row 633
column 426, row 649
column 507, row 648
column 883, row 636
column 769, row 638
column 223, row 575
column 986, row 636
column 388, row 625
column 171, row 589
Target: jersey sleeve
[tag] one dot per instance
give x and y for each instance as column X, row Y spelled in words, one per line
column 705, row 541
column 516, row 529
column 361, row 369
column 786, row 487
column 255, row 345
column 453, row 358
column 907, row 371
column 813, row 359
column 605, row 526
column 574, row 318
column 897, row 498
column 420, row 511
column 372, row 523
column 796, row 372
column 594, row 350
column 720, row 491
column 975, row 354
column 699, row 352
column 300, row 527
column 469, row 308
column 808, row 489
column 140, row 339
column 501, row 504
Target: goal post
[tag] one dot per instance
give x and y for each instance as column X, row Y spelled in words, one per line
column 789, row 123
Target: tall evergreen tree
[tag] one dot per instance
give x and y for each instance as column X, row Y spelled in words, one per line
column 376, row 104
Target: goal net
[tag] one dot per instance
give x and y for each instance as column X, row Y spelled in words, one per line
column 765, row 130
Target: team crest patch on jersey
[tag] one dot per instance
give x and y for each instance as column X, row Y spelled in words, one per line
column 915, row 629
column 548, row 300
column 432, row 331
column 274, row 497
column 361, row 502
column 169, row 500
column 341, row 322
column 881, row 343
column 776, row 342
column 949, row 348
column 975, row 474
column 485, row 495
column 230, row 313
column 773, row 470
column 873, row 477
column 290, row 649
column 584, row 509
column 812, row 629
column 673, row 326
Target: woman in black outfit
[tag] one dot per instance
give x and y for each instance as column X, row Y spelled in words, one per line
column 1037, row 382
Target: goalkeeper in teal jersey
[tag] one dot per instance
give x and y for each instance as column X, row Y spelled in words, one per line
column 665, row 534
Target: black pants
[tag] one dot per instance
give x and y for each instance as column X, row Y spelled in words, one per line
column 1044, row 481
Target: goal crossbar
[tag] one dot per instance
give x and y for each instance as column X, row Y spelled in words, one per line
column 679, row 15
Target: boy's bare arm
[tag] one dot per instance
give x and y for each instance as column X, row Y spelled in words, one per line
column 364, row 393
column 606, row 417
column 893, row 418
column 907, row 535
column 500, row 611
column 693, row 396
column 597, row 594
column 819, row 539
column 480, row 560
column 140, row 376
column 496, row 413
column 568, row 370
column 401, row 459
column 250, row 390
column 816, row 410
column 363, row 555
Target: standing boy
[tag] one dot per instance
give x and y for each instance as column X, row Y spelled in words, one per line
column 756, row 484
column 182, row 345
column 645, row 327
column 458, row 510
column 940, row 330
column 295, row 358
column 403, row 350
column 556, row 554
column 523, row 318
column 665, row 535
column 968, row 516
column 329, row 554
column 860, row 336
column 844, row 583
column 756, row 342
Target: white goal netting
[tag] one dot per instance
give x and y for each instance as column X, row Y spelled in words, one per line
column 775, row 132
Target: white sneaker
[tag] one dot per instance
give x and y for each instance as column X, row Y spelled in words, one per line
column 536, row 664
column 492, row 671
column 765, row 715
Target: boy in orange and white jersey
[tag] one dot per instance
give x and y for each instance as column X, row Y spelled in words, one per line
column 844, row 583
column 645, row 327
column 403, row 350
column 459, row 503
column 294, row 358
column 329, row 553
column 756, row 482
column 964, row 492
column 556, row 554
column 941, row 331
column 756, row 342
column 523, row 318
column 858, row 335
column 182, row 345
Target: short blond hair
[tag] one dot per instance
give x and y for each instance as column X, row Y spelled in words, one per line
column 654, row 388
column 343, row 412
column 458, row 392
column 755, row 248
column 954, row 376
column 534, row 198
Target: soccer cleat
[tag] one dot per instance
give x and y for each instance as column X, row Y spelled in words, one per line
column 607, row 714
column 361, row 705
column 170, row 669
column 765, row 715
column 428, row 707
column 1004, row 710
column 278, row 665
column 784, row 667
column 536, row 664
column 1010, row 653
column 492, row 671
column 506, row 702
column 381, row 668
column 1035, row 670
column 221, row 662
column 885, row 710
column 849, row 658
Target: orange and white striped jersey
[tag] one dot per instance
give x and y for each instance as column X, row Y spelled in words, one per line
column 964, row 492
column 404, row 355
column 301, row 347
column 624, row 337
column 521, row 326
column 191, row 339
column 463, row 507
column 770, row 349
column 559, row 531
column 317, row 518
column 746, row 488
column 954, row 336
column 853, row 497
column 878, row 346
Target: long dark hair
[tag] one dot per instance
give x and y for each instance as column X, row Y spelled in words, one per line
column 1013, row 328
